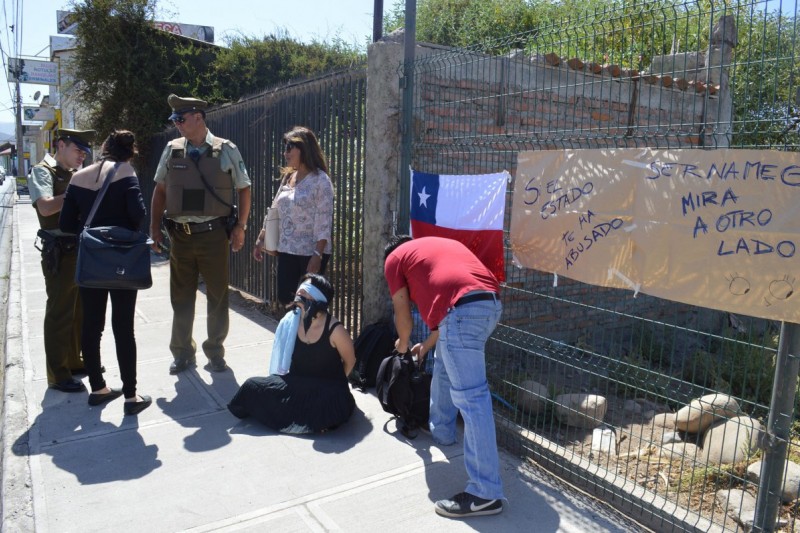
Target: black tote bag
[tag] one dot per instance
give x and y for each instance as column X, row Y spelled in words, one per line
column 112, row 257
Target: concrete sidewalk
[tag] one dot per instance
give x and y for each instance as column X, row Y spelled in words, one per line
column 187, row 464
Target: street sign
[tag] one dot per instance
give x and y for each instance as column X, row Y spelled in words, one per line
column 34, row 116
column 30, row 71
column 201, row 33
column 67, row 22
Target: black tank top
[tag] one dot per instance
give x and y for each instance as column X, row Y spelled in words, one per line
column 318, row 359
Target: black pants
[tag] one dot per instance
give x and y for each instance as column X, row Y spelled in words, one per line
column 290, row 269
column 123, row 308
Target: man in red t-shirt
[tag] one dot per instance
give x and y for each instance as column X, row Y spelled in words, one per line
column 457, row 297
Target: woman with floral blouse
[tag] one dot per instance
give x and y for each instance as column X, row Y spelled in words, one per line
column 305, row 206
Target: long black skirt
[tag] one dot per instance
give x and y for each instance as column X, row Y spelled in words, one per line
column 294, row 404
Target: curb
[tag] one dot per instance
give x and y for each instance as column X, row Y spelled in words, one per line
column 16, row 491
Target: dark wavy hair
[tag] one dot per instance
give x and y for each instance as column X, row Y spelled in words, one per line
column 394, row 242
column 310, row 150
column 316, row 307
column 120, row 145
column 320, row 282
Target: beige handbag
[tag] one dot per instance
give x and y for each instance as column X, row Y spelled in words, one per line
column 272, row 229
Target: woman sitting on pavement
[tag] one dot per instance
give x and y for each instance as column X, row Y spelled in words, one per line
column 307, row 389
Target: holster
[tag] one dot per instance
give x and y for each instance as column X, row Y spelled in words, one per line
column 231, row 220
column 53, row 248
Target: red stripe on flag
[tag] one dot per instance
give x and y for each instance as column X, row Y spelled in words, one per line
column 487, row 245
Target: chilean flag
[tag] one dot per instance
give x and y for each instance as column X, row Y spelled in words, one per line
column 469, row 209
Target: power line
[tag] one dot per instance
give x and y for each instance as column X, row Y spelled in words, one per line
column 20, row 27
column 6, row 27
column 4, row 54
column 12, row 47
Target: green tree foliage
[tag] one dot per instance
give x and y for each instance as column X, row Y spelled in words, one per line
column 125, row 68
column 465, row 22
column 249, row 64
column 630, row 33
column 764, row 78
column 622, row 31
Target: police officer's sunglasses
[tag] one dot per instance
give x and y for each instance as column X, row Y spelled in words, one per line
column 180, row 119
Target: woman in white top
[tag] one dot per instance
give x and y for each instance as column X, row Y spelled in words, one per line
column 305, row 205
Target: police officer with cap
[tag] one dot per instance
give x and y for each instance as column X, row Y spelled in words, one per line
column 201, row 184
column 63, row 315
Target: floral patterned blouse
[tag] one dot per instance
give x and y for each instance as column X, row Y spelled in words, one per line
column 306, row 213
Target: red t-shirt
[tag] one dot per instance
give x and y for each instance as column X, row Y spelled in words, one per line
column 437, row 272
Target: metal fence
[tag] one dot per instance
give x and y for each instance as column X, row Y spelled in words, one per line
column 333, row 106
column 661, row 74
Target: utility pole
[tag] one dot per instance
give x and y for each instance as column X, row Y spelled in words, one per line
column 20, row 149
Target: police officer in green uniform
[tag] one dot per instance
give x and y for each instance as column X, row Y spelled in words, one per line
column 63, row 314
column 200, row 180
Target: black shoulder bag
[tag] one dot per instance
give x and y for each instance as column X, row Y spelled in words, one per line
column 112, row 257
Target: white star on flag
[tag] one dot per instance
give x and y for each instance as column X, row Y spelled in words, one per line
column 423, row 197
column 467, row 208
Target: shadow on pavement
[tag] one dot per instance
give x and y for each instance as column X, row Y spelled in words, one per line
column 224, row 384
column 448, row 477
column 335, row 441
column 106, row 452
column 212, row 422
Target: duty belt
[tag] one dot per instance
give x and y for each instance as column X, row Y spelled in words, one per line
column 193, row 228
column 66, row 242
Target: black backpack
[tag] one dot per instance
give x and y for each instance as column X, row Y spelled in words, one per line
column 373, row 345
column 404, row 390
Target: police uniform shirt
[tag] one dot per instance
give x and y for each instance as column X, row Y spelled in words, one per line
column 230, row 160
column 40, row 184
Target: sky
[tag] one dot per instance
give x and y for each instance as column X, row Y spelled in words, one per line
column 304, row 20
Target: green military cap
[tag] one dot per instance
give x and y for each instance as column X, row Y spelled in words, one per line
column 181, row 105
column 83, row 139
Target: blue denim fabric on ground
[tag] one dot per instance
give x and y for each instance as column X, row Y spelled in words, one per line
column 459, row 384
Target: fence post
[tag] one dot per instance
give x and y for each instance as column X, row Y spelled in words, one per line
column 407, row 121
column 381, row 169
column 779, row 425
column 377, row 20
column 717, row 129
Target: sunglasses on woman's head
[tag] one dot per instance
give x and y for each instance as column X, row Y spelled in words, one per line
column 290, row 145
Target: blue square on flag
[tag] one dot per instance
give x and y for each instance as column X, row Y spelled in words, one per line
column 424, row 194
column 472, row 211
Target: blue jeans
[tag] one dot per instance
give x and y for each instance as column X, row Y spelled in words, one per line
column 459, row 384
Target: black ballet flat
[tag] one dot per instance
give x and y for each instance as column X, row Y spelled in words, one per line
column 100, row 399
column 134, row 408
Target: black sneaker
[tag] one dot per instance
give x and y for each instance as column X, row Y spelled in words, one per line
column 464, row 505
